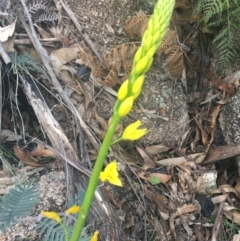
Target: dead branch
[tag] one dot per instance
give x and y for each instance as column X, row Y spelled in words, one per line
column 45, row 59
column 221, row 153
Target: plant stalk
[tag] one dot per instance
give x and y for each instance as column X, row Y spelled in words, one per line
column 93, row 182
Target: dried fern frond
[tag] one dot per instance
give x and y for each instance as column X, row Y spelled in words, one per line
column 111, row 79
column 120, row 58
column 136, row 25
column 169, row 39
column 174, row 63
column 186, row 4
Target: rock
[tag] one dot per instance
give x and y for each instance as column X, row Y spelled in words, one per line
column 163, row 109
column 230, row 122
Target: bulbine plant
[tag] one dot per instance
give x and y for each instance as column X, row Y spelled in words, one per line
column 127, row 94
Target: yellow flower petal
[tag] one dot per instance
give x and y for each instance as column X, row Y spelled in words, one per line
column 72, row 210
column 110, row 174
column 51, row 215
column 125, row 106
column 132, row 132
column 95, row 236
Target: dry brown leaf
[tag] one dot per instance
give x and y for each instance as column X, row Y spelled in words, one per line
column 27, row 159
column 136, row 25
column 227, row 189
column 164, row 178
column 219, row 199
column 101, row 121
column 186, row 208
column 148, row 162
column 233, row 215
column 157, row 149
column 42, row 152
column 222, row 85
column 214, row 115
column 205, row 137
column 178, row 160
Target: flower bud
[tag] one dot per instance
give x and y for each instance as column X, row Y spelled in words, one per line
column 125, row 106
column 141, row 65
column 138, row 55
column 123, row 90
column 137, row 85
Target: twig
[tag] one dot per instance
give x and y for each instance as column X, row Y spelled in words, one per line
column 222, row 152
column 4, row 55
column 45, row 59
column 217, row 222
column 80, row 29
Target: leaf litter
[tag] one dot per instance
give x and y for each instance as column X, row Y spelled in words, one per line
column 164, row 178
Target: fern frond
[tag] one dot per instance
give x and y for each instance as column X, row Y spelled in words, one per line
column 19, row 202
column 25, row 62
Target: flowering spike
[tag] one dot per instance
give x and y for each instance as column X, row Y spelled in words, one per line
column 72, row 210
column 110, row 174
column 125, row 106
column 51, row 215
column 132, row 132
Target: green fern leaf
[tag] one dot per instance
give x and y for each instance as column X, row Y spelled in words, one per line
column 19, row 202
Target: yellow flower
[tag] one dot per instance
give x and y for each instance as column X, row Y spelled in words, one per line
column 110, row 174
column 52, row 215
column 123, row 90
column 125, row 106
column 72, row 210
column 95, row 236
column 132, row 132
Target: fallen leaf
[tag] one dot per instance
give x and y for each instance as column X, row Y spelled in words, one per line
column 42, row 152
column 157, row 149
column 148, row 162
column 233, row 215
column 219, row 199
column 7, row 31
column 157, row 178
column 8, row 135
column 178, row 160
column 27, row 159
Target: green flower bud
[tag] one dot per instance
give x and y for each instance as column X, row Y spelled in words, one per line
column 141, row 65
column 138, row 55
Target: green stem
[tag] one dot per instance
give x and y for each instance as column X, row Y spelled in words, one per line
column 65, row 231
column 93, row 182
column 116, row 141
